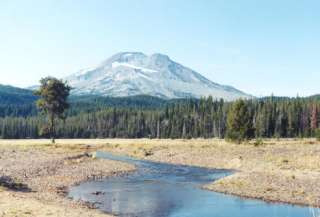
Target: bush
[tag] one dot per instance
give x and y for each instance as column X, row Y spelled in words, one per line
column 317, row 134
column 258, row 142
column 234, row 137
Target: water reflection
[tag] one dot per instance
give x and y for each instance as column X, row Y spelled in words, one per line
column 164, row 190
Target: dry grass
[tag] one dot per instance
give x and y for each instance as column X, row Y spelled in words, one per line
column 47, row 171
column 285, row 170
column 284, row 154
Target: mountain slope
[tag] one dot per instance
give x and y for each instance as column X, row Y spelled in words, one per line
column 134, row 73
column 16, row 102
column 14, row 95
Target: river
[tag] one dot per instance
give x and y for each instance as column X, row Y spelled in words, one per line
column 166, row 190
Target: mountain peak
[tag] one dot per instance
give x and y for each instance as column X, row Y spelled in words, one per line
column 124, row 57
column 160, row 56
column 135, row 73
column 130, row 54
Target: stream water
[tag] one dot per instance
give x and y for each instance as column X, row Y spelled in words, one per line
column 166, row 190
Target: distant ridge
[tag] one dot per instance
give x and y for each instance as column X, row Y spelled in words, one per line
column 15, row 95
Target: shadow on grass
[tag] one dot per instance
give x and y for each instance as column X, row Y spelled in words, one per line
column 9, row 183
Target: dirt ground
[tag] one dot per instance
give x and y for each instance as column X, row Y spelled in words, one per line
column 285, row 170
column 34, row 179
column 13, row 204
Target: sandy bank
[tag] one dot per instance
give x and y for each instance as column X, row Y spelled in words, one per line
column 35, row 178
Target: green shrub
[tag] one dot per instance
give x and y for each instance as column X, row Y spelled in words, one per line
column 258, row 142
column 147, row 152
column 234, row 137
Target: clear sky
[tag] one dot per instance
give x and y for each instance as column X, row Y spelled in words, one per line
column 258, row 46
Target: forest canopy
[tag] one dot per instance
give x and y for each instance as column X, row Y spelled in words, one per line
column 107, row 117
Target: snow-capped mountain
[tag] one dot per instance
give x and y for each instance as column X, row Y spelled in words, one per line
column 134, row 73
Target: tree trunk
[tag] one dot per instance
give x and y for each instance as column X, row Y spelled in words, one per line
column 158, row 129
column 52, row 130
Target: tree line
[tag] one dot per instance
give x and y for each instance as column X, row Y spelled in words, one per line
column 270, row 117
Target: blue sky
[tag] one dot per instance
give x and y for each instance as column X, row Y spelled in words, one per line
column 258, row 46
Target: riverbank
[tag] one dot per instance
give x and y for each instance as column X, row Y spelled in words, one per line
column 35, row 177
column 285, row 170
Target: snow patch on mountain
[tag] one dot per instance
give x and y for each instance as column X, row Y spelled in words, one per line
column 117, row 64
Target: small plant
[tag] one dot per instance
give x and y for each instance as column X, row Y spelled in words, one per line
column 147, row 152
column 285, row 161
column 258, row 142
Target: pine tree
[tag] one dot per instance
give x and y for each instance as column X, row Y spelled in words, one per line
column 239, row 123
column 53, row 95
